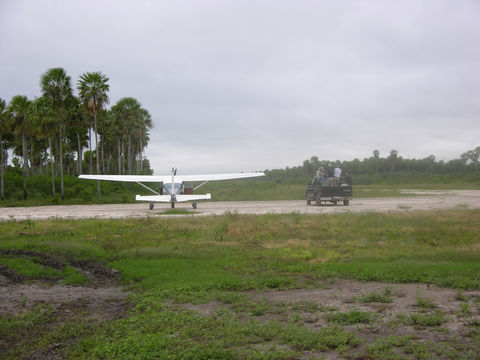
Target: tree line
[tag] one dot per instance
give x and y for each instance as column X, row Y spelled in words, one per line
column 469, row 162
column 48, row 134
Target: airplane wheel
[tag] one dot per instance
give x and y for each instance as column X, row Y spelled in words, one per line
column 194, row 205
column 151, row 206
column 172, row 205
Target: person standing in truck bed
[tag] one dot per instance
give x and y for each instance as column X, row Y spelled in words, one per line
column 337, row 173
column 329, row 175
column 348, row 179
column 320, row 176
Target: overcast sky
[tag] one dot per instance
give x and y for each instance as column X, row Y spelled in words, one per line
column 237, row 85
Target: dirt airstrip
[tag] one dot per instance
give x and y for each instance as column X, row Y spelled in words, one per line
column 427, row 200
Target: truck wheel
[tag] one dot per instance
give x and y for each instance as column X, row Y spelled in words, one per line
column 309, row 202
column 151, row 206
column 194, row 204
column 346, row 202
column 172, row 205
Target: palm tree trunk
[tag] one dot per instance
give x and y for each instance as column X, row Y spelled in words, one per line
column 137, row 163
column 1, row 167
column 46, row 163
column 32, row 168
column 24, row 151
column 51, row 165
column 123, row 156
column 119, row 158
column 139, row 159
column 79, row 155
column 129, row 156
column 141, row 155
column 60, row 148
column 90, row 165
column 103, row 158
column 97, row 154
column 57, row 161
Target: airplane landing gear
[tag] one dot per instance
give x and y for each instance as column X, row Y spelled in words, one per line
column 194, row 204
column 151, row 206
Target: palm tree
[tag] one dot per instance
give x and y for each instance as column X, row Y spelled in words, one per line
column 45, row 117
column 77, row 128
column 18, row 109
column 111, row 135
column 376, row 157
column 93, row 88
column 128, row 112
column 393, row 159
column 56, row 85
column 132, row 122
column 3, row 130
column 145, row 126
column 114, row 137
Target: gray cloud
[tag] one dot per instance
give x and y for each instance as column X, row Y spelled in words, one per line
column 250, row 85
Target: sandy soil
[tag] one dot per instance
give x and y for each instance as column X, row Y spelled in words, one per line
column 434, row 200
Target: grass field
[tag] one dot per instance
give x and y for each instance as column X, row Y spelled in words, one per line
column 240, row 286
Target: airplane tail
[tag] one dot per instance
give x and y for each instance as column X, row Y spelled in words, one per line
column 154, row 198
column 193, row 197
column 168, row 198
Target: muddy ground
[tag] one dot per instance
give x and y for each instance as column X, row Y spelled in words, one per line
column 19, row 292
column 100, row 299
column 427, row 200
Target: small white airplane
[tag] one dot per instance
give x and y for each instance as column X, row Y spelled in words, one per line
column 173, row 187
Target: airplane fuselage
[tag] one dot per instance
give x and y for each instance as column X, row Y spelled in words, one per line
column 177, row 188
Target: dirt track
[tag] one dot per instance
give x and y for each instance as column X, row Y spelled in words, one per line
column 426, row 200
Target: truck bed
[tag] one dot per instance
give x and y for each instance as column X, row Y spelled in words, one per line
column 334, row 194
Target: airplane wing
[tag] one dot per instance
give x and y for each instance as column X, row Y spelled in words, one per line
column 215, row 177
column 168, row 178
column 129, row 178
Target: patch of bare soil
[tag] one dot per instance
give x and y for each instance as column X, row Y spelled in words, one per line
column 205, row 309
column 391, row 318
column 346, row 295
column 102, row 299
column 17, row 296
